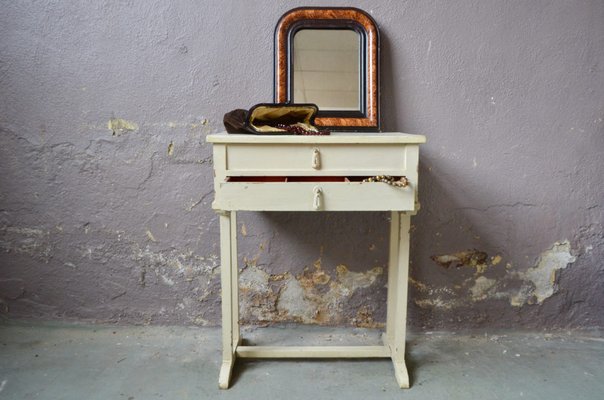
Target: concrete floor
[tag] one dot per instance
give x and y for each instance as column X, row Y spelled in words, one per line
column 76, row 361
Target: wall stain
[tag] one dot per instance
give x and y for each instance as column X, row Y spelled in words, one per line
column 33, row 242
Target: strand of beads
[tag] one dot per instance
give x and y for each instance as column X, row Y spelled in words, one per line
column 298, row 130
column 389, row 180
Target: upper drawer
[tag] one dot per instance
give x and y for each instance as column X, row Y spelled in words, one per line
column 316, row 159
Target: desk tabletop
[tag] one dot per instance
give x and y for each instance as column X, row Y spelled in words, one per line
column 335, row 137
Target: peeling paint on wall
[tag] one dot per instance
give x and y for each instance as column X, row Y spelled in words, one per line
column 468, row 258
column 536, row 284
column 118, row 126
column 314, row 296
column 539, row 282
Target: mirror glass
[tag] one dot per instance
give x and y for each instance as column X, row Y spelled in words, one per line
column 327, row 68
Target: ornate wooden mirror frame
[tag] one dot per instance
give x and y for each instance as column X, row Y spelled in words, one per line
column 367, row 118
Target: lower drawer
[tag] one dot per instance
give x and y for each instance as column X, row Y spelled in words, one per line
column 327, row 195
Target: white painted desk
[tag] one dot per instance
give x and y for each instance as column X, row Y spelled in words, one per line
column 315, row 173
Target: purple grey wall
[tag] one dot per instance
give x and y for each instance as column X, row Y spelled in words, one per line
column 106, row 179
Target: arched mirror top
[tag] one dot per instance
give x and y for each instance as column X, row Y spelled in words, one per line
column 329, row 56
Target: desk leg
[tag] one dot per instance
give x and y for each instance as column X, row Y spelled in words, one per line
column 398, row 276
column 230, row 295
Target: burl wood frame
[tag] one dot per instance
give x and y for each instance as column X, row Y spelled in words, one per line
column 368, row 117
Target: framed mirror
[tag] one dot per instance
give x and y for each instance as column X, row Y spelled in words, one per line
column 329, row 57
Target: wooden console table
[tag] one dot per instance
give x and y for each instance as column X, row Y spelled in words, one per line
column 315, row 173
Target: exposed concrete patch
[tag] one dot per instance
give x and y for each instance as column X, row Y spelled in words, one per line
column 315, row 296
column 258, row 299
column 540, row 281
column 294, row 303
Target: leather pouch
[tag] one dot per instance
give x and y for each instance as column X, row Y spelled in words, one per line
column 272, row 118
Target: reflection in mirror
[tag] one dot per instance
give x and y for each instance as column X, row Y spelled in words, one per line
column 326, row 68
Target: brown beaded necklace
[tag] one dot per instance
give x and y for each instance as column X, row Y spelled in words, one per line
column 390, row 180
column 298, row 130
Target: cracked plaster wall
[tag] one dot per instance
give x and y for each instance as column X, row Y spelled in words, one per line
column 106, row 180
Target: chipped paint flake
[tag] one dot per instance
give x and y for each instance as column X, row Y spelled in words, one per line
column 150, row 236
column 119, row 126
column 496, row 260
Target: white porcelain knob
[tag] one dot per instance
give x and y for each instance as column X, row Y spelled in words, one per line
column 318, row 192
column 316, row 159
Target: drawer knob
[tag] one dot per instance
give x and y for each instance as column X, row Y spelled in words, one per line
column 318, row 192
column 316, row 159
